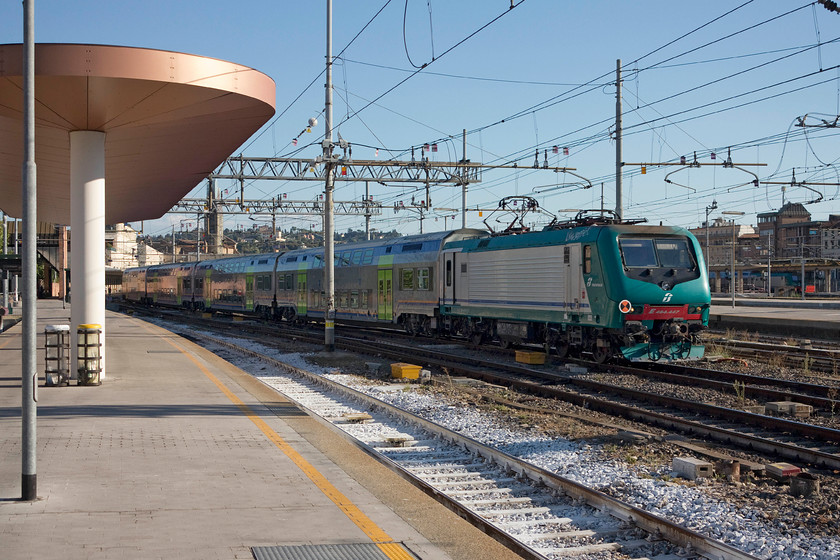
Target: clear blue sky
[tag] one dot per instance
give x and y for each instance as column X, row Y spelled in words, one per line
column 695, row 76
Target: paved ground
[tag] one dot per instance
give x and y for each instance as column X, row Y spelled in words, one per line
column 178, row 454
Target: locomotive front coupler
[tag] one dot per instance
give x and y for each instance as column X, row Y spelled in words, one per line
column 633, row 327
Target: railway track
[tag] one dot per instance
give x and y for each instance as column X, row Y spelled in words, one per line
column 535, row 512
column 808, row 356
column 774, row 436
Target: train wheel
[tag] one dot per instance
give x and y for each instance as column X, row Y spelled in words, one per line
column 601, row 353
column 505, row 344
column 476, row 338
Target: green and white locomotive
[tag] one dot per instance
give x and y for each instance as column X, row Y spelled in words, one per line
column 602, row 286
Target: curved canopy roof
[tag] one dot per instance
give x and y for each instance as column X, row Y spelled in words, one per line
column 170, row 119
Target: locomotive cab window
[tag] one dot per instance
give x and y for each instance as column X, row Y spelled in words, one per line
column 665, row 261
column 666, row 252
column 637, row 253
column 674, row 253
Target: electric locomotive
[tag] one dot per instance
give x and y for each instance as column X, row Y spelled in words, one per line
column 593, row 284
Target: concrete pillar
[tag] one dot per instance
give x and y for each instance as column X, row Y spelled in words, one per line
column 717, row 283
column 87, row 223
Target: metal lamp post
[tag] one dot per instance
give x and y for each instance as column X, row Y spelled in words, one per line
column 732, row 264
column 769, row 270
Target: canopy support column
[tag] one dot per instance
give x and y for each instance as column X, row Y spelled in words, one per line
column 87, row 227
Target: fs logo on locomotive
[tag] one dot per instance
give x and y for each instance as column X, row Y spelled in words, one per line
column 667, row 297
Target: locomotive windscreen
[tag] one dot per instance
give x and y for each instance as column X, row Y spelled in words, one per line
column 665, row 252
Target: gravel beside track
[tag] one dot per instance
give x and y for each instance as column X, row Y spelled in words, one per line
column 756, row 515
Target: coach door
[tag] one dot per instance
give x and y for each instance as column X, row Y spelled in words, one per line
column 573, row 276
column 385, row 295
column 207, row 286
column 448, row 278
column 301, row 294
column 249, row 291
column 178, row 287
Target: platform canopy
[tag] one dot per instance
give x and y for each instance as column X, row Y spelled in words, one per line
column 169, row 119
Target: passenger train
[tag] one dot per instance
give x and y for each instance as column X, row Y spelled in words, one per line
column 602, row 286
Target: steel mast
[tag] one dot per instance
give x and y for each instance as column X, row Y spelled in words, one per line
column 329, row 226
column 619, row 210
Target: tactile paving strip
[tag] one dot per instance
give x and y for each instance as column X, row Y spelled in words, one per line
column 353, row 551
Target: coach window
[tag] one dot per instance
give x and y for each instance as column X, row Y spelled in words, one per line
column 368, row 258
column 407, row 279
column 423, row 279
column 448, row 273
column 357, row 257
column 587, row 259
column 354, row 299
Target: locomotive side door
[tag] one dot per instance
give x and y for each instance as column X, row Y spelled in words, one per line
column 573, row 276
column 384, row 290
column 448, row 274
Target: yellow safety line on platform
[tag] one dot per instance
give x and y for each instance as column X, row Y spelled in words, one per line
column 385, row 543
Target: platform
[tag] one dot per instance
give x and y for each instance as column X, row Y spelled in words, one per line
column 179, row 454
column 784, row 317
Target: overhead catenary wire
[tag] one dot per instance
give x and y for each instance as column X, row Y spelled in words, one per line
column 589, row 141
column 316, row 78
